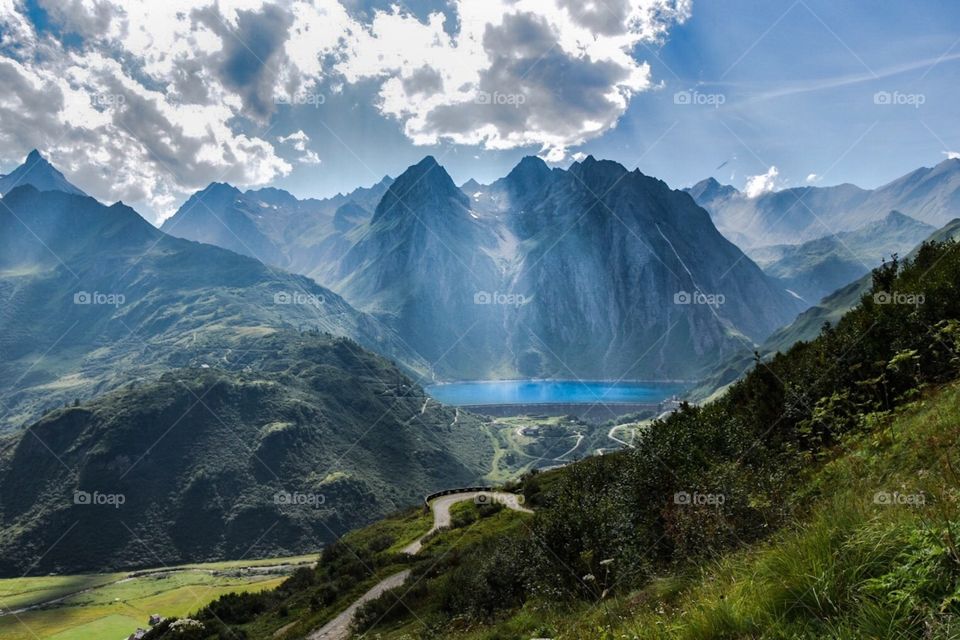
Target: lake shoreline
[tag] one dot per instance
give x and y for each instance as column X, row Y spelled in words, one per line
column 537, row 396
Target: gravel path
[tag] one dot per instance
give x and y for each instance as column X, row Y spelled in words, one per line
column 339, row 627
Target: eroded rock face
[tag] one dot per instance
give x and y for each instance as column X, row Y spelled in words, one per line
column 590, row 272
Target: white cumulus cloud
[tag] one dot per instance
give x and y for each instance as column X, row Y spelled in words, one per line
column 298, row 140
column 154, row 99
column 550, row 73
column 763, row 183
column 952, row 155
column 138, row 113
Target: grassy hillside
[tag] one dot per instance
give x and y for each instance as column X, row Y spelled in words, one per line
column 314, row 437
column 873, row 556
column 815, row 499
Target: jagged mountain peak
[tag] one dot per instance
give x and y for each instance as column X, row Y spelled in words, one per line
column 591, row 168
column 528, row 177
column 710, row 188
column 39, row 173
column 426, row 183
column 385, row 182
column 947, row 166
column 220, row 187
column 273, row 196
column 470, row 186
column 209, row 197
column 531, row 164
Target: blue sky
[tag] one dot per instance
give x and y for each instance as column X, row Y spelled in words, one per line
column 807, row 92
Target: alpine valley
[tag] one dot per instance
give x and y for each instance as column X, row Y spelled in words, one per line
column 479, row 320
column 249, row 378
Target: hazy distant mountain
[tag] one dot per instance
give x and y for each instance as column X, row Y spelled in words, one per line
column 38, row 173
column 834, row 306
column 94, row 296
column 582, row 273
column 315, row 437
column 818, row 267
column 270, row 224
column 791, row 216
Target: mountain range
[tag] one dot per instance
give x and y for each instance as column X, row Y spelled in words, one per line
column 589, row 272
column 593, row 271
column 272, row 225
column 799, row 214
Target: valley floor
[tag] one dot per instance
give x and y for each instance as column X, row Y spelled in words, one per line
column 114, row 605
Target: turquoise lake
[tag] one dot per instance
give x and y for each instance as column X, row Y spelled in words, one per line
column 553, row 392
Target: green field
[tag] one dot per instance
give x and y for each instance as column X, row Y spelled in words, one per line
column 114, row 605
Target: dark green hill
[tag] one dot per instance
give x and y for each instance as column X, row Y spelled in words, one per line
column 94, row 296
column 313, row 437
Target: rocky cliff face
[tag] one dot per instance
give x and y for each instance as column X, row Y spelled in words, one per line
column 622, row 272
column 419, row 264
column 590, row 272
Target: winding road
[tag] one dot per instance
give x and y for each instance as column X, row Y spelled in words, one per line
column 563, row 455
column 616, row 439
column 339, row 627
column 441, row 511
